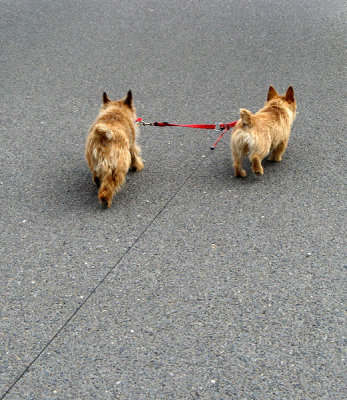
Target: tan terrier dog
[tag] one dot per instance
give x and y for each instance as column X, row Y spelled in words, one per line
column 111, row 148
column 255, row 135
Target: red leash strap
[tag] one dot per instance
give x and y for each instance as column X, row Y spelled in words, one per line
column 184, row 126
column 207, row 126
column 218, row 127
column 223, row 130
column 218, row 140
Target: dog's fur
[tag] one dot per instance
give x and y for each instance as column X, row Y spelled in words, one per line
column 256, row 135
column 111, row 148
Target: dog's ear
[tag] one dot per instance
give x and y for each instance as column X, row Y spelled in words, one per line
column 289, row 96
column 271, row 93
column 128, row 101
column 246, row 117
column 105, row 99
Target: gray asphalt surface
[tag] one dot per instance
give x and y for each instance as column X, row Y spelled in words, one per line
column 194, row 285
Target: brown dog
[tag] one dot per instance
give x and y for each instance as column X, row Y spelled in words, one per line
column 255, row 135
column 111, row 148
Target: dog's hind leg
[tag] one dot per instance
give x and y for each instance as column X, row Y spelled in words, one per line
column 136, row 161
column 239, row 171
column 110, row 185
column 256, row 164
column 114, row 180
column 107, row 190
column 96, row 180
column 278, row 151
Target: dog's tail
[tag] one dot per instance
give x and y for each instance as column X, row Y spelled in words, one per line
column 103, row 132
column 242, row 138
column 114, row 178
column 246, row 117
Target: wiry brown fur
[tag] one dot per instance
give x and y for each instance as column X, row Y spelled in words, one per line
column 111, row 148
column 268, row 130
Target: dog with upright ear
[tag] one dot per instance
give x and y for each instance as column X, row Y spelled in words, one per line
column 271, row 93
column 129, row 99
column 111, row 148
column 289, row 95
column 268, row 130
column 105, row 98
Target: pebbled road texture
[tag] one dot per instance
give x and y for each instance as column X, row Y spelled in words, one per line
column 194, row 285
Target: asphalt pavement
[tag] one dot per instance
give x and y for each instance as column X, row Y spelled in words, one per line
column 194, row 284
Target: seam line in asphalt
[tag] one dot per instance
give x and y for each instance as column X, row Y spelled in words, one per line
column 104, row 278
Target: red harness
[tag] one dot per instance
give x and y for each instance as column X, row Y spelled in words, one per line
column 222, row 128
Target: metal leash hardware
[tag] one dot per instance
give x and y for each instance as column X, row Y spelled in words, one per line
column 221, row 128
column 218, row 127
column 143, row 123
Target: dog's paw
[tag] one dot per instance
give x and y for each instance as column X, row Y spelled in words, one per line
column 256, row 166
column 240, row 173
column 105, row 201
column 137, row 166
column 259, row 171
column 274, row 158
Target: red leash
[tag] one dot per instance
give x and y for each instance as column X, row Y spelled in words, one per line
column 217, row 127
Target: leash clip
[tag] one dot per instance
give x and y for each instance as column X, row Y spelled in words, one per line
column 218, row 127
column 143, row 123
column 221, row 128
